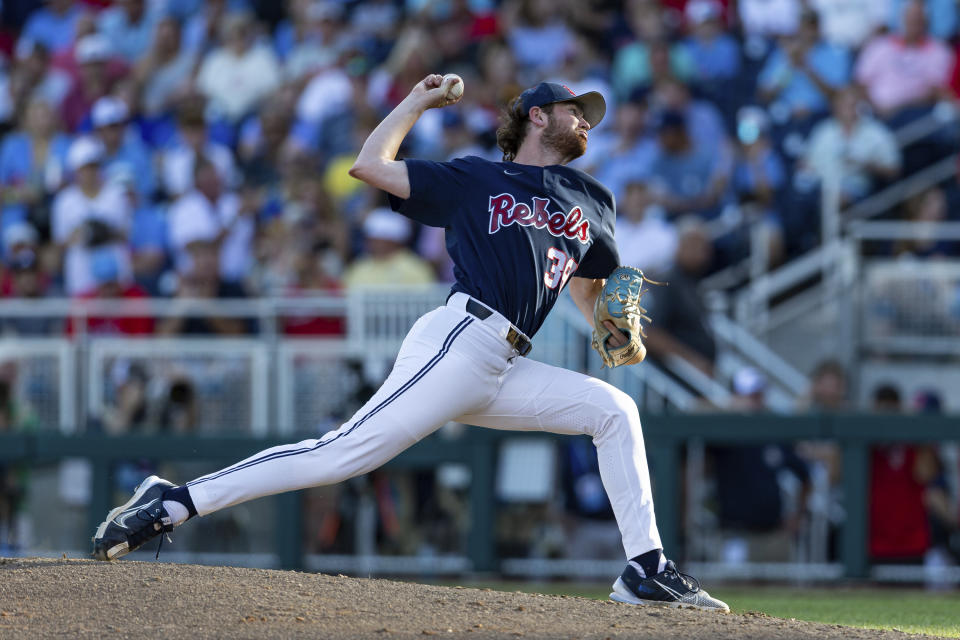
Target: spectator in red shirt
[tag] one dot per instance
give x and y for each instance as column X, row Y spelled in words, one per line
column 899, row 528
column 106, row 272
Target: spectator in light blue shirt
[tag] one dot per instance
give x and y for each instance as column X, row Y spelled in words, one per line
column 129, row 25
column 148, row 235
column 715, row 53
column 941, row 16
column 802, row 74
column 124, row 151
column 53, row 26
column 625, row 152
column 685, row 177
column 32, row 160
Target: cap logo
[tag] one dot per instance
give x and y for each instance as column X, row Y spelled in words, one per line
column 568, row 89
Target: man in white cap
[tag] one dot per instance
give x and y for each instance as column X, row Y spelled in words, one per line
column 123, row 151
column 388, row 260
column 89, row 214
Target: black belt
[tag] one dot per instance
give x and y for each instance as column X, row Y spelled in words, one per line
column 516, row 339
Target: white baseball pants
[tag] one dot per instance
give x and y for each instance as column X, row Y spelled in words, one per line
column 454, row 366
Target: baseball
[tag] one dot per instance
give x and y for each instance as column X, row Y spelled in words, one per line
column 454, row 84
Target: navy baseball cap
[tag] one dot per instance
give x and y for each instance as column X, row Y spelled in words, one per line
column 592, row 103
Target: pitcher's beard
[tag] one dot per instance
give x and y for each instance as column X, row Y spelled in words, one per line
column 569, row 144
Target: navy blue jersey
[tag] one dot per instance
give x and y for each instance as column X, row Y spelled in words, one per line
column 516, row 233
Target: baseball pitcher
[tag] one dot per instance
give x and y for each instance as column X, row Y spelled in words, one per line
column 518, row 232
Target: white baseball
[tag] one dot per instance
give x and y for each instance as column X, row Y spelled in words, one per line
column 454, row 86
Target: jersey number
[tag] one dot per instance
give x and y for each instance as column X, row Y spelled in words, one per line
column 560, row 269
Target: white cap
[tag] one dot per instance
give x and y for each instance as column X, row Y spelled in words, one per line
column 109, row 110
column 93, row 48
column 699, row 11
column 384, row 224
column 748, row 381
column 84, row 151
column 19, row 233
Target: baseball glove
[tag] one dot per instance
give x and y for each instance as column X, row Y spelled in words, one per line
column 619, row 302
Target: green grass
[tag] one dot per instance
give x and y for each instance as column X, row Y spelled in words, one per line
column 909, row 610
column 912, row 611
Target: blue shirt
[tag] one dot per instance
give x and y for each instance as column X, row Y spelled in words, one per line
column 941, row 17
column 683, row 175
column 148, row 229
column 634, row 165
column 16, row 158
column 770, row 166
column 52, row 30
column 129, row 40
column 717, row 59
column 796, row 89
column 515, row 232
column 133, row 158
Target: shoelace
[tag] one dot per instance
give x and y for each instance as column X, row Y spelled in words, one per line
column 688, row 580
column 154, row 519
column 160, row 545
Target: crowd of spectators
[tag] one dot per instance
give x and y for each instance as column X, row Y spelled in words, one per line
column 193, row 149
column 179, row 148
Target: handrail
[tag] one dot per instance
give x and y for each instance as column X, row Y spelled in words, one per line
column 648, row 373
column 706, row 386
column 904, row 230
column 900, row 191
column 942, row 114
column 786, row 277
column 759, row 354
column 167, row 307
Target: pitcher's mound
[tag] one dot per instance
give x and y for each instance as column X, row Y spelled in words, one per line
column 85, row 599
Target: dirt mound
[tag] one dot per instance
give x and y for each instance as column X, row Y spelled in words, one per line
column 85, row 599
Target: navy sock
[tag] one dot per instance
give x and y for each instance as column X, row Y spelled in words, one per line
column 181, row 495
column 649, row 561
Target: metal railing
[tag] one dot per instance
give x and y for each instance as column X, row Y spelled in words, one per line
column 789, row 283
column 910, row 307
column 267, row 382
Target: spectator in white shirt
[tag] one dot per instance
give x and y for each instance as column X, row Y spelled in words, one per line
column 770, row 18
column 850, row 23
column 191, row 139
column 853, row 148
column 239, row 75
column 214, row 214
column 645, row 239
column 89, row 215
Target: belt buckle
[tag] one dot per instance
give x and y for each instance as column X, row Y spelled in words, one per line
column 525, row 347
column 518, row 342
